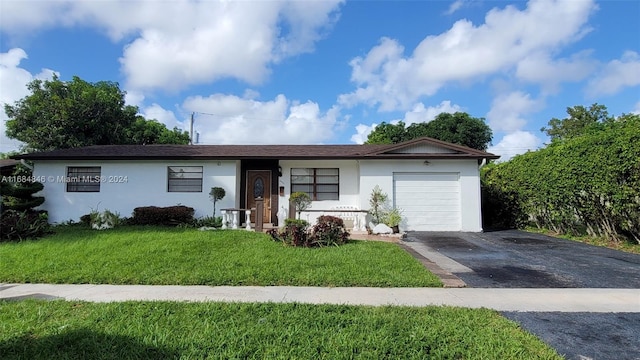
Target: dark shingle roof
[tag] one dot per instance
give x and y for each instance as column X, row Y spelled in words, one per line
column 283, row 152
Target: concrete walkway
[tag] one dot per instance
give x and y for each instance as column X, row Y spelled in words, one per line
column 530, row 300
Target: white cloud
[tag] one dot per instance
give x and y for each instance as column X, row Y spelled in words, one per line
column 228, row 119
column 13, row 87
column 421, row 114
column 507, row 110
column 178, row 43
column 616, row 75
column 465, row 53
column 542, row 69
column 515, row 143
column 134, row 97
column 637, row 108
column 362, row 132
column 418, row 114
column 167, row 117
column 455, row 6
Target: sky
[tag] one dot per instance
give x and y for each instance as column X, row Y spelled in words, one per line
column 329, row 71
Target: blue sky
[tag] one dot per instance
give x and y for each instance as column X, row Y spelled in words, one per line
column 326, row 72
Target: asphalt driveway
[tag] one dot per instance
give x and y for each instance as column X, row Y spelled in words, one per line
column 517, row 259
column 514, row 259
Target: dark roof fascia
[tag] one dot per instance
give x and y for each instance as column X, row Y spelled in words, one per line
column 290, row 157
column 427, row 140
column 8, row 162
column 432, row 156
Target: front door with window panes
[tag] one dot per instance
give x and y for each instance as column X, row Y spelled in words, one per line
column 259, row 185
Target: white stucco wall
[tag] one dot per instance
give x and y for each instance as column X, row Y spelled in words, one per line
column 376, row 172
column 145, row 185
column 349, row 182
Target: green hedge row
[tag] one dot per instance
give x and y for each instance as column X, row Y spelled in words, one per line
column 585, row 184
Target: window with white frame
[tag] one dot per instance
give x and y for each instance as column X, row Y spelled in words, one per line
column 184, row 179
column 319, row 183
column 83, row 178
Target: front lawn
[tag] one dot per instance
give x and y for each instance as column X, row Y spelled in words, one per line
column 169, row 256
column 167, row 330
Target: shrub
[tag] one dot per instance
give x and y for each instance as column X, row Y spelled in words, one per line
column 207, row 221
column 378, row 203
column 19, row 196
column 169, row 216
column 105, row 220
column 21, row 225
column 85, row 219
column 296, row 222
column 294, row 233
column 329, row 230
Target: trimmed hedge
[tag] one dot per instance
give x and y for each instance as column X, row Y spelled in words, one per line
column 168, row 216
column 588, row 183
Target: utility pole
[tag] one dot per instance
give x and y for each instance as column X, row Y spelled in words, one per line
column 191, row 129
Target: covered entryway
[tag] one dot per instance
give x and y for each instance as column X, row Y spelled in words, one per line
column 259, row 186
column 429, row 201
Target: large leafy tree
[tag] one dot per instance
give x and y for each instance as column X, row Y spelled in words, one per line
column 144, row 132
column 387, row 133
column 579, row 121
column 458, row 128
column 65, row 114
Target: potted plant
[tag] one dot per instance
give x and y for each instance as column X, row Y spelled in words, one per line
column 393, row 218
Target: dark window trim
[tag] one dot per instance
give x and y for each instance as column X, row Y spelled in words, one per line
column 173, row 183
column 315, row 184
column 83, row 181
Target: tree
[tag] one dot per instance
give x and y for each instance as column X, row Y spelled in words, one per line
column 386, row 133
column 145, row 132
column 458, row 128
column 301, row 201
column 579, row 121
column 65, row 114
column 216, row 193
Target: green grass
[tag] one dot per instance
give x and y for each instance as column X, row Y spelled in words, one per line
column 169, row 256
column 165, row 330
column 622, row 245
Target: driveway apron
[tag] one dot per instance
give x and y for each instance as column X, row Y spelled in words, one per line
column 517, row 259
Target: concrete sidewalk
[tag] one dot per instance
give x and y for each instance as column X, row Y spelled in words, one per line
column 530, row 300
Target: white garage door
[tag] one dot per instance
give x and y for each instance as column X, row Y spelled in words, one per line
column 430, row 201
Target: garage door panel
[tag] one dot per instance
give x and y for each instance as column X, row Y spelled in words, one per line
column 441, row 199
column 430, row 201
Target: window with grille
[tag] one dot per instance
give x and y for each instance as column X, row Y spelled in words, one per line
column 319, row 183
column 184, row 179
column 83, row 178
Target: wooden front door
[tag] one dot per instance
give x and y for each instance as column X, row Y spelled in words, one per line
column 259, row 185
